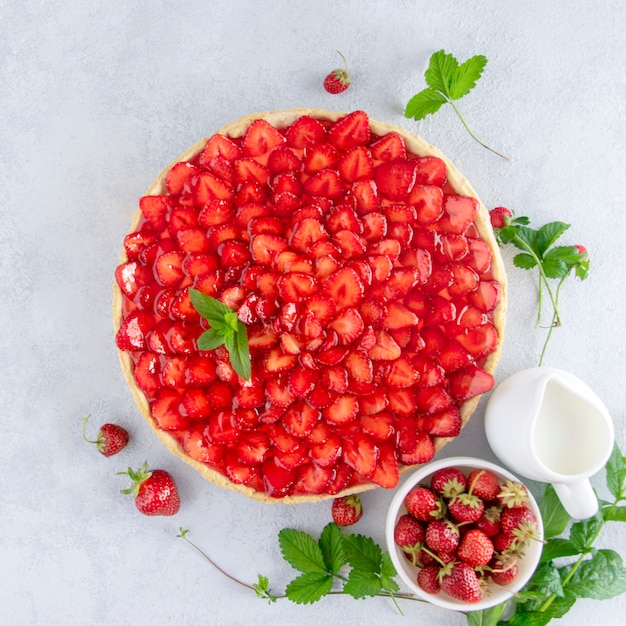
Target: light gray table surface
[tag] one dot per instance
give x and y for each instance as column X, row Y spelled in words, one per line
column 95, row 98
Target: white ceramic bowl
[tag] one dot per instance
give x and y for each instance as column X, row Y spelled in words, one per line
column 496, row 594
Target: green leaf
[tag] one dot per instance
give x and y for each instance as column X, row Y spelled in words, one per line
column 440, row 72
column 310, row 587
column 555, row 265
column 584, row 533
column 555, row 517
column 600, row 578
column 524, row 261
column 558, row 547
column 208, row 307
column 545, row 581
column 363, row 553
column 262, row 588
column 526, row 238
column 486, row 617
column 466, row 75
column 387, row 567
column 548, row 234
column 361, row 584
column 210, row 339
column 424, row 103
column 301, row 551
column 331, row 544
column 616, row 473
column 557, row 609
column 582, row 270
column 615, row 514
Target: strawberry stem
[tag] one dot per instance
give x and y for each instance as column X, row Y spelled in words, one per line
column 85, row 420
column 473, row 136
column 345, row 61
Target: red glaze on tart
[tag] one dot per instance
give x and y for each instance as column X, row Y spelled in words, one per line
column 366, row 272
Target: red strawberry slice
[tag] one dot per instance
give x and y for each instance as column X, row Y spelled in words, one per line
column 278, row 481
column 237, row 472
column 359, row 366
column 200, row 371
column 486, row 295
column 325, row 264
column 261, row 137
column 344, row 288
column 195, row 404
column 181, row 218
column 348, row 325
column 470, row 316
column 326, row 452
column 248, row 169
column 179, row 178
column 250, row 191
column 380, row 426
column 395, row 179
column 342, row 411
column 431, row 373
column 281, row 439
column 332, row 356
column 312, row 478
column 291, row 460
column 147, row 372
column 301, row 381
column 479, row 258
column 350, row 131
column 480, row 340
column 282, row 159
column 356, row 164
column 300, row 418
column 441, row 311
column 221, row 429
column 322, row 307
column 164, row 410
column 464, row 279
column 219, row 146
column 306, row 233
column 208, row 187
column 444, row 424
column 276, row 361
column 135, row 242
column 248, row 212
column 350, row 245
column 154, row 209
column 432, row 400
column 335, row 378
column 365, row 194
column 386, row 473
column 428, row 203
column 216, row 212
column 361, row 454
column 470, row 382
column 305, row 131
column 343, row 217
column 402, row 401
column 319, row 157
column 265, row 247
column 459, row 214
column 326, row 183
column 252, row 448
column 451, row 247
column 374, row 226
column 131, row 277
column 277, row 392
column 385, row 348
column 398, row 316
column 197, row 447
column 421, row 451
column 402, row 373
column 295, row 286
column 389, row 147
column 430, row 171
column 133, row 331
column 454, row 357
column 192, row 240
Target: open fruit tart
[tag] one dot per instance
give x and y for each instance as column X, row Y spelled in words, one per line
column 372, row 291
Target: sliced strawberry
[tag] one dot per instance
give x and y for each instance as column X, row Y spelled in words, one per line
column 441, row 278
column 398, row 316
column 282, row 159
column 248, row 212
column 332, row 356
column 464, row 279
column 261, row 137
column 198, row 264
column 343, row 217
column 237, row 472
column 306, row 233
column 356, row 164
column 197, row 446
column 486, row 295
column 164, row 410
column 305, row 131
column 295, row 286
column 422, row 450
column 450, row 247
column 250, row 191
column 249, row 169
column 276, row 361
column 395, row 179
column 182, row 218
column 327, row 452
column 147, row 372
column 380, row 426
column 386, row 473
column 374, row 226
column 301, row 381
column 319, row 157
column 385, row 348
column 154, row 209
column 291, row 460
column 131, row 277
column 252, row 448
column 342, row 411
column 182, row 308
column 386, row 247
column 361, row 454
column 350, row 131
column 265, row 247
column 470, row 382
column 178, row 179
column 430, row 171
column 335, row 378
column 343, row 476
column 459, row 213
column 322, row 307
column 300, row 418
column 192, row 240
column 278, row 481
column 431, row 373
column 402, row 373
column 219, row 146
column 200, row 371
column 365, row 194
column 359, row 366
column 221, row 429
column 169, row 268
column 348, row 325
column 344, row 288
column 277, row 392
column 216, row 212
column 233, row 253
column 373, row 311
column 133, row 331
column 312, row 478
column 135, row 242
column 402, row 401
column 195, row 404
column 390, row 147
column 326, row 183
column 432, row 399
column 208, row 187
column 444, row 424
column 480, row 340
column 470, row 316
column 441, row 311
column 321, row 397
column 281, row 439
column 479, row 258
column 454, row 357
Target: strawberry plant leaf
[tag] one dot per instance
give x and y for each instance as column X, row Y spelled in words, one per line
column 616, row 473
column 424, row 103
column 555, row 517
column 466, row 75
column 557, row 609
column 526, row 238
column 301, row 551
column 331, row 544
column 361, row 584
column 524, row 261
column 584, row 533
column 387, row 568
column 548, row 234
column 362, row 553
column 602, row 577
column 262, row 588
column 554, row 267
column 440, row 72
column 309, row 587
column 615, row 514
column 486, row 617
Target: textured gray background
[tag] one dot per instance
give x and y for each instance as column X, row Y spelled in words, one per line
column 96, row 98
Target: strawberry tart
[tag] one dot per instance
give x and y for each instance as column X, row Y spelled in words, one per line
column 366, row 275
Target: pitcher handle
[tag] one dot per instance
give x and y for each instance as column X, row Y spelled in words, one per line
column 578, row 498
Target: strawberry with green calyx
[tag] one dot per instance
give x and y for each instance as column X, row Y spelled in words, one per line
column 462, row 583
column 409, row 535
column 448, row 482
column 111, row 438
column 155, row 491
column 338, row 80
column 475, row 548
column 513, row 494
column 423, row 504
column 484, row 484
column 428, row 578
column 538, row 249
column 347, row 510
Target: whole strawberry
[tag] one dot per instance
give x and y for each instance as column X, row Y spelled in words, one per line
column 442, row 536
column 423, row 504
column 409, row 535
column 347, row 510
column 428, row 579
column 475, row 548
column 462, row 583
column 466, row 507
column 110, row 440
column 448, row 482
column 338, row 80
column 500, row 216
column 155, row 491
column 484, row 484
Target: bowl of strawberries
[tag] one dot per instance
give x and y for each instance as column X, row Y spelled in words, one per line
column 464, row 534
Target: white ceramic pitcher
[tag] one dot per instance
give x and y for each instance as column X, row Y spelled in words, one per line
column 548, row 425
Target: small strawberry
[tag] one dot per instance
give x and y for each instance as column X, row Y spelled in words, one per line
column 475, row 548
column 448, row 482
column 504, row 570
column 462, row 583
column 347, row 510
column 155, row 491
column 489, row 523
column 500, row 216
column 519, row 522
column 484, row 484
column 409, row 535
column 423, row 504
column 338, row 80
column 580, row 249
column 110, row 440
column 428, row 579
column 442, row 536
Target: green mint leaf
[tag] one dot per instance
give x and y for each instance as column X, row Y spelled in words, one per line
column 424, row 103
column 262, row 588
column 210, row 339
column 616, row 473
column 555, row 517
column 210, row 308
column 361, row 584
column 545, row 581
column 240, row 355
column 602, row 577
column 524, row 261
column 486, row 617
column 309, row 587
column 548, row 234
column 331, row 544
column 465, row 77
column 584, row 533
column 231, row 320
column 440, row 73
column 363, row 553
column 301, row 551
column 615, row 514
column 557, row 609
column 558, row 547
